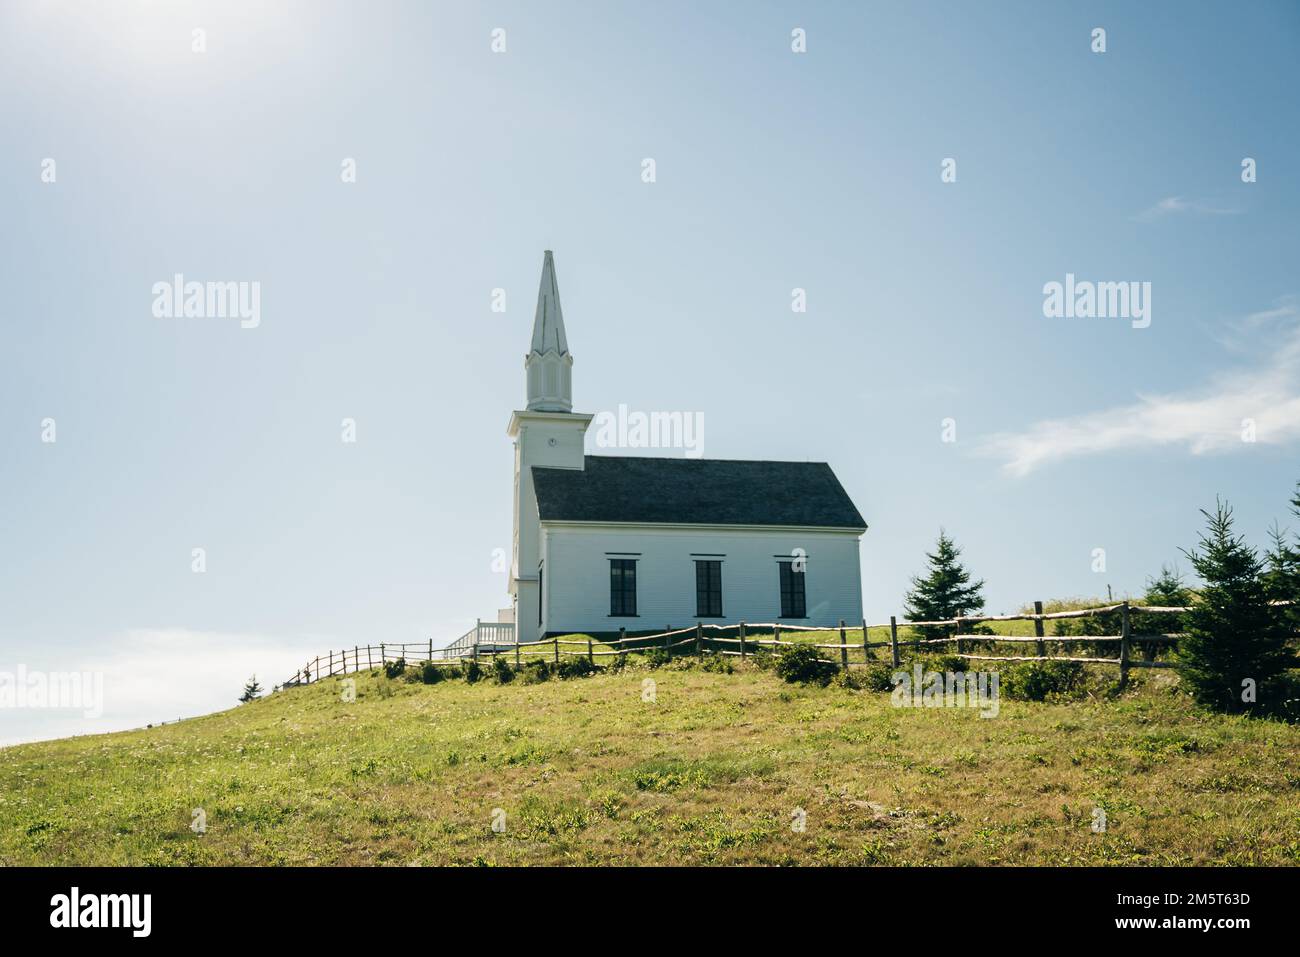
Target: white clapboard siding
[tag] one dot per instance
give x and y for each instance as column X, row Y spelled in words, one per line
column 576, row 580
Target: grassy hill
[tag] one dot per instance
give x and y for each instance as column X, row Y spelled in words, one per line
column 709, row 773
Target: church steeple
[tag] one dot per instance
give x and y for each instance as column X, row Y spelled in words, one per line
column 549, row 364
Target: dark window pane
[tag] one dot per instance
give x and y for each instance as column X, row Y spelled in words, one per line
column 708, row 589
column 622, row 586
column 793, row 603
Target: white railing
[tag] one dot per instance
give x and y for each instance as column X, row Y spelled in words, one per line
column 485, row 636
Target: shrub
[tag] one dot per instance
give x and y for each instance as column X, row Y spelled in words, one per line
column 534, row 672
column 502, row 671
column 848, row 680
column 716, row 663
column 1036, row 680
column 395, row 669
column 804, row 664
column 473, row 671
column 945, row 663
column 878, row 676
column 575, row 667
column 657, row 657
column 430, row 674
column 762, row 658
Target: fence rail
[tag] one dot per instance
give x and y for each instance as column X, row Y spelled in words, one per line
column 493, row 639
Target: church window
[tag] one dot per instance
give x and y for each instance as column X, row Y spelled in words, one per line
column 708, row 589
column 793, row 601
column 622, row 587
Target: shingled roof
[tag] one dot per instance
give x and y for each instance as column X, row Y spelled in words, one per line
column 695, row 492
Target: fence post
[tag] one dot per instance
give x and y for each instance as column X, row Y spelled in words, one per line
column 1123, row 645
column 742, row 641
column 776, row 638
column 667, row 639
column 369, row 662
column 516, row 645
column 430, row 649
column 699, row 634
column 622, row 648
column 318, row 667
column 591, row 658
column 961, row 645
column 1038, row 629
column 331, row 665
column 557, row 650
column 844, row 648
column 866, row 648
column 893, row 638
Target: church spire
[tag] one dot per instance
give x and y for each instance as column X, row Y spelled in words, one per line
column 548, row 323
column 549, row 363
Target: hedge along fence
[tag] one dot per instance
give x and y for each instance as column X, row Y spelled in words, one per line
column 700, row 638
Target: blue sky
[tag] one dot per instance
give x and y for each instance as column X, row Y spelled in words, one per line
column 774, row 170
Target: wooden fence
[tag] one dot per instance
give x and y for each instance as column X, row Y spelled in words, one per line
column 700, row 638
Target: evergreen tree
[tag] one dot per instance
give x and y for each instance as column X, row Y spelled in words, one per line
column 1233, row 636
column 1283, row 574
column 1167, row 589
column 1282, row 577
column 252, row 691
column 945, row 591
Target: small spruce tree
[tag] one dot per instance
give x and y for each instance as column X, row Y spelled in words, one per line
column 1234, row 638
column 1282, row 577
column 1167, row 590
column 252, row 691
column 944, row 591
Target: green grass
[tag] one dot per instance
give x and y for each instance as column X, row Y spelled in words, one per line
column 709, row 773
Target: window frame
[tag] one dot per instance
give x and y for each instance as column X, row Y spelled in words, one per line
column 706, row 591
column 619, row 590
column 793, row 599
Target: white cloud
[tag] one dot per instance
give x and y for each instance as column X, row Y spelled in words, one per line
column 156, row 675
column 1205, row 420
column 1172, row 205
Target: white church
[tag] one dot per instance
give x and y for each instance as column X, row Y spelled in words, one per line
column 603, row 542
